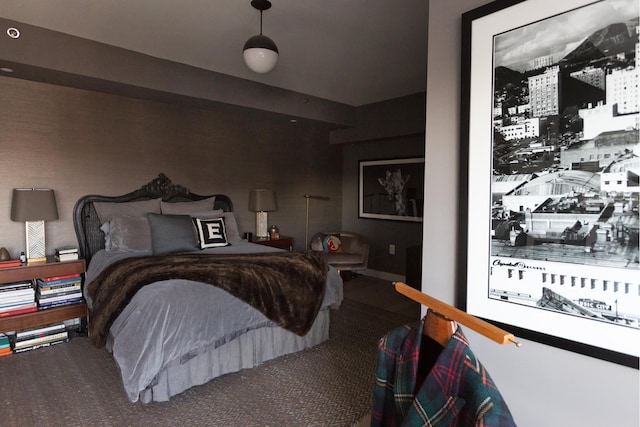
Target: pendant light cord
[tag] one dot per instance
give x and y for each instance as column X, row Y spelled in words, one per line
column 260, row 22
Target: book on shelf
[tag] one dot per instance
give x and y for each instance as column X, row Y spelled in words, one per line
column 19, row 287
column 18, row 309
column 12, row 295
column 73, row 323
column 58, row 283
column 37, row 346
column 18, row 305
column 10, row 263
column 31, row 332
column 41, row 340
column 59, row 291
column 55, row 304
column 66, row 257
column 66, row 254
column 12, row 303
column 14, row 286
column 59, row 278
column 53, row 291
column 67, row 250
column 22, row 288
column 5, row 345
column 56, row 298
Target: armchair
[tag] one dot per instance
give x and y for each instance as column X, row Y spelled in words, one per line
column 344, row 250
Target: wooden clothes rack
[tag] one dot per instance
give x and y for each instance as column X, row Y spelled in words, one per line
column 453, row 314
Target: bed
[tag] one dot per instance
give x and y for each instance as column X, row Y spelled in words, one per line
column 170, row 329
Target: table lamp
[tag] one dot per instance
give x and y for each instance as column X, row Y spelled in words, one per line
column 262, row 201
column 34, row 206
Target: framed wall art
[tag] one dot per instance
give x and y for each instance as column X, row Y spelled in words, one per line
column 391, row 189
column 549, row 173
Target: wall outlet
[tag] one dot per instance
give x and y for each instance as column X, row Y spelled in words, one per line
column 392, row 249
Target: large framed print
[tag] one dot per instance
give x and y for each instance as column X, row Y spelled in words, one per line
column 549, row 173
column 391, row 189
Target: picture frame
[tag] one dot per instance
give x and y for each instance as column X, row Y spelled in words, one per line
column 548, row 228
column 391, row 189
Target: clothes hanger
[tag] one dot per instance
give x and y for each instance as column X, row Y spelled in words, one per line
column 440, row 322
column 440, row 328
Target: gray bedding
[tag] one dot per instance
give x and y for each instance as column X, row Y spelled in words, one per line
column 182, row 328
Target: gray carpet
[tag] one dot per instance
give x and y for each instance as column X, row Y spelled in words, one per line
column 76, row 384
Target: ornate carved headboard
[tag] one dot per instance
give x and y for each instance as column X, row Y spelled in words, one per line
column 87, row 224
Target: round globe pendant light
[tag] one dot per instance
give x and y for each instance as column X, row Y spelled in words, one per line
column 260, row 52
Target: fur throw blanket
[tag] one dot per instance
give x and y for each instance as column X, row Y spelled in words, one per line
column 288, row 287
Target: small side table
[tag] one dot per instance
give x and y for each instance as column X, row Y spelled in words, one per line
column 284, row 242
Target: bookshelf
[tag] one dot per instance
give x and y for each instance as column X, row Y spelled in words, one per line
column 42, row 317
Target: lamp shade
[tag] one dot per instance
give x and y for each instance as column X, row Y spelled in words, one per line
column 262, row 200
column 33, row 204
column 260, row 54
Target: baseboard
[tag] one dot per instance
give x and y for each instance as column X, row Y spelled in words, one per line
column 383, row 275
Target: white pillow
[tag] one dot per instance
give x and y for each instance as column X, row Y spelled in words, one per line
column 230, row 223
column 211, row 232
column 128, row 234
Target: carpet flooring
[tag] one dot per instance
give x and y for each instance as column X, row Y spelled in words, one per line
column 76, row 384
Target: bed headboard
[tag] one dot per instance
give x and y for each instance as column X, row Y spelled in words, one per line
column 87, row 225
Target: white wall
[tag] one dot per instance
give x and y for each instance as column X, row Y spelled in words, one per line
column 543, row 385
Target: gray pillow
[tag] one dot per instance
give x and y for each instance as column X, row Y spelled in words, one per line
column 108, row 210
column 184, row 208
column 231, row 227
column 128, row 234
column 172, row 233
column 216, row 213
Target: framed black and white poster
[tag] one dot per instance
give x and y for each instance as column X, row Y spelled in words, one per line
column 391, row 189
column 550, row 173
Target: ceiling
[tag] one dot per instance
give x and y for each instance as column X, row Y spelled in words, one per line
column 354, row 52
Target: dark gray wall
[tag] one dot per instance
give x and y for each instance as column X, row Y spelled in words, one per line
column 381, row 233
column 391, row 118
column 84, row 142
column 384, row 130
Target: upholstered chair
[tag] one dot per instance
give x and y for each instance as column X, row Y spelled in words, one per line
column 344, row 250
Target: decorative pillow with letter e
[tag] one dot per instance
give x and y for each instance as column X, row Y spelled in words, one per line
column 331, row 244
column 211, row 232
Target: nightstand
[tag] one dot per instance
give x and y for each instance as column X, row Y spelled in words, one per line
column 51, row 315
column 284, row 242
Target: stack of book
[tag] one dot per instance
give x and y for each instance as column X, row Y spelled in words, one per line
column 5, row 346
column 67, row 253
column 45, row 336
column 59, row 290
column 10, row 263
column 17, row 298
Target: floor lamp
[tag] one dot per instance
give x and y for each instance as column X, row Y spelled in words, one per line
column 306, row 224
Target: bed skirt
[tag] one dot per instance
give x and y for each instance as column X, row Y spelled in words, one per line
column 247, row 351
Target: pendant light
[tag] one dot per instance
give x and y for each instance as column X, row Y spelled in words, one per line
column 260, row 52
